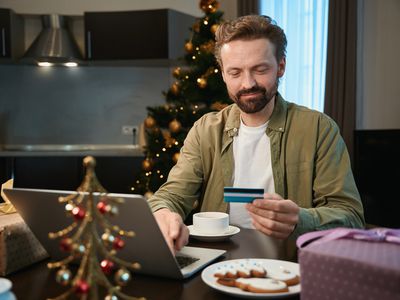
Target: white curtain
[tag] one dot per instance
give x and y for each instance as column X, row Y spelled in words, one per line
column 305, row 23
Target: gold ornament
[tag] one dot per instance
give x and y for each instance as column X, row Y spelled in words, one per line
column 209, row 6
column 148, row 194
column 167, row 137
column 214, row 28
column 196, row 27
column 175, row 88
column 189, row 47
column 149, row 122
column 175, row 157
column 175, row 126
column 201, row 82
column 177, row 72
column 207, row 47
column 147, row 164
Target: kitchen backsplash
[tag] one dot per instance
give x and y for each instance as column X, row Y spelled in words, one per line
column 83, row 105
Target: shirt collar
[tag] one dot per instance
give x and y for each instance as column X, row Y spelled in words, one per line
column 277, row 122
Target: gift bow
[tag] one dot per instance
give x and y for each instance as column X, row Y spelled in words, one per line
column 373, row 235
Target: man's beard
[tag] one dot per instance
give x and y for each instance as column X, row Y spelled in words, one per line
column 257, row 103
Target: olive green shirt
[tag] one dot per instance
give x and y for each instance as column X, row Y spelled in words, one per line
column 310, row 165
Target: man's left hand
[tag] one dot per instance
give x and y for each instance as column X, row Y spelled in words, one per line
column 274, row 216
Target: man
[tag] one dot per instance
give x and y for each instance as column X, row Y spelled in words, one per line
column 296, row 154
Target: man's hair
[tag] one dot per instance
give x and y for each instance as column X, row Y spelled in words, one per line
column 250, row 28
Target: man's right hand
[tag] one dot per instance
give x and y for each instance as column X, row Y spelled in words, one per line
column 172, row 227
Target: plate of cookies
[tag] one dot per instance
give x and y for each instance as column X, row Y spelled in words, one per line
column 254, row 278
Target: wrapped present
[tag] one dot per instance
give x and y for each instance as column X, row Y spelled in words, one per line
column 350, row 264
column 18, row 246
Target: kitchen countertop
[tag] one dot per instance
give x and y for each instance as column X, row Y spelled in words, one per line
column 71, row 150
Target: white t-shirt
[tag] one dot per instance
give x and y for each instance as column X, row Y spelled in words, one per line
column 252, row 157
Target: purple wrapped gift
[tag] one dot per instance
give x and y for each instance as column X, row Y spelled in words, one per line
column 350, row 264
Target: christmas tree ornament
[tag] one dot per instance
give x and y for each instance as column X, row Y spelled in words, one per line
column 201, row 82
column 122, row 276
column 209, row 6
column 102, row 206
column 175, row 157
column 111, row 297
column 106, row 266
column 78, row 249
column 175, row 88
column 189, row 47
column 214, row 28
column 81, row 287
column 196, row 27
column 175, row 126
column 148, row 194
column 177, row 72
column 81, row 240
column 147, row 164
column 63, row 276
column 149, row 122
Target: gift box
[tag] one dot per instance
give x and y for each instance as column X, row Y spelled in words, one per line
column 18, row 246
column 350, row 264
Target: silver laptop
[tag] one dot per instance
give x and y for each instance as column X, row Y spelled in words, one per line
column 43, row 213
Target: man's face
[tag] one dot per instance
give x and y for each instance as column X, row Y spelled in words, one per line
column 251, row 72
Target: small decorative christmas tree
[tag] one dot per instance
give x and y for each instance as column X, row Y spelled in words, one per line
column 96, row 252
column 198, row 89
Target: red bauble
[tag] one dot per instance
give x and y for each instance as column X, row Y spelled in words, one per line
column 78, row 212
column 118, row 243
column 66, row 244
column 106, row 266
column 81, row 287
column 102, row 206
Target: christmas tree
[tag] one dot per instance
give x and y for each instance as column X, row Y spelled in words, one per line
column 93, row 241
column 198, row 89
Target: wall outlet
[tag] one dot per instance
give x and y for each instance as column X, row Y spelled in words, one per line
column 129, row 130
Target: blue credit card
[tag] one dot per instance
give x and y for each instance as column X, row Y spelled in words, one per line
column 232, row 194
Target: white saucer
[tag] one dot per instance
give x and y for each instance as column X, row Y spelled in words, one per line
column 232, row 230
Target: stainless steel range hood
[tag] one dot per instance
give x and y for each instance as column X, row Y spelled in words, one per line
column 54, row 45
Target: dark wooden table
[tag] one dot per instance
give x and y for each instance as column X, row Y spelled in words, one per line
column 38, row 282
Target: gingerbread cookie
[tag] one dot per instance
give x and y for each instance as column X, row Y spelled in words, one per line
column 261, row 285
column 284, row 275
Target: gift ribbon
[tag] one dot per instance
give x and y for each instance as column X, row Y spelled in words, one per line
column 373, row 235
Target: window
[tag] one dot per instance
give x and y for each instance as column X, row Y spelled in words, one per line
column 305, row 23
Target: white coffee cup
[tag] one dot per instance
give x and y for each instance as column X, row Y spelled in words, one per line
column 211, row 222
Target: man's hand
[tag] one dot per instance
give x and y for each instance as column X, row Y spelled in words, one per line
column 273, row 215
column 174, row 231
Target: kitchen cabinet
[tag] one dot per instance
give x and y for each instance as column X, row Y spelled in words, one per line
column 11, row 34
column 66, row 172
column 136, row 35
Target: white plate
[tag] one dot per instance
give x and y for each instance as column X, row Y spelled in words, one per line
column 5, row 285
column 208, row 277
column 232, row 230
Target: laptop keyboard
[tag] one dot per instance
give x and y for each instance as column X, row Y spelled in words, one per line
column 184, row 261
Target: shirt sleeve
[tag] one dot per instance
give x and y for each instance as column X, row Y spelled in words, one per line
column 182, row 189
column 336, row 201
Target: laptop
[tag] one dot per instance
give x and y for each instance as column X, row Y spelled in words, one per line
column 43, row 213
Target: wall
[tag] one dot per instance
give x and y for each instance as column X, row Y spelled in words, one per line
column 85, row 105
column 378, row 85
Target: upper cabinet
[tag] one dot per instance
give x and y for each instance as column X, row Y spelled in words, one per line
column 136, row 35
column 11, row 34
